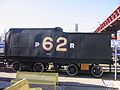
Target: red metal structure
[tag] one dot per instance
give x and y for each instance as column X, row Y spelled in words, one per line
column 111, row 24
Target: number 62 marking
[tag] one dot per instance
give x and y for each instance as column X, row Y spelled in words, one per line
column 47, row 44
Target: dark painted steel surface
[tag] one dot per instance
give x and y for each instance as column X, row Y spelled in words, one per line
column 53, row 44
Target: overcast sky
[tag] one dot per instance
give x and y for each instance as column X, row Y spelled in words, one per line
column 55, row 13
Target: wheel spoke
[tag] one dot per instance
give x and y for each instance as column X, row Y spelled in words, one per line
column 72, row 69
column 38, row 67
column 97, row 71
column 16, row 66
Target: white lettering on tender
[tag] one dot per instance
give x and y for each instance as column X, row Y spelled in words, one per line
column 72, row 45
column 37, row 44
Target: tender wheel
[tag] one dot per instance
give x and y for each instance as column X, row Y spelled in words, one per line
column 38, row 67
column 97, row 71
column 72, row 69
column 16, row 66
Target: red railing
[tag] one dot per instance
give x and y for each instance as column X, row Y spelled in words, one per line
column 112, row 18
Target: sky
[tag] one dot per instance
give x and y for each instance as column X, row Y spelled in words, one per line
column 88, row 14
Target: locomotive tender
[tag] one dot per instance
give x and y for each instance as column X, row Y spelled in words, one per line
column 37, row 47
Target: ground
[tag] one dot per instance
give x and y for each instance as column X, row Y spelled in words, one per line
column 80, row 82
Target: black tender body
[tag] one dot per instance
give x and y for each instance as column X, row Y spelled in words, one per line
column 27, row 45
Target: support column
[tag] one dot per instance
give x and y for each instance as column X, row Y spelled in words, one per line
column 115, row 77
